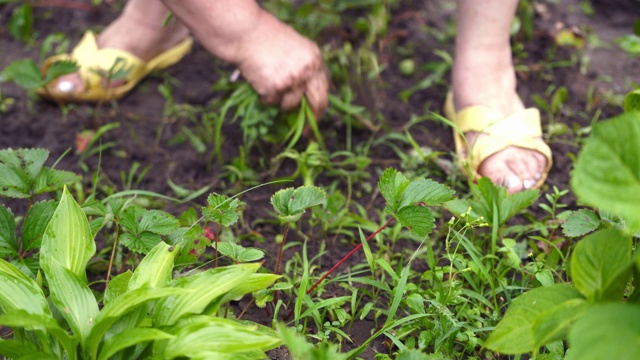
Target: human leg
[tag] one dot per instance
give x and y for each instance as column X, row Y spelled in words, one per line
column 483, row 74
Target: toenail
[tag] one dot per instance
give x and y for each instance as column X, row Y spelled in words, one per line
column 527, row 184
column 512, row 182
column 65, row 86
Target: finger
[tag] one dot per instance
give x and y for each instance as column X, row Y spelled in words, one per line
column 317, row 92
column 292, row 98
column 271, row 98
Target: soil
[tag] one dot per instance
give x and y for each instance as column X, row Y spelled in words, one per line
column 30, row 122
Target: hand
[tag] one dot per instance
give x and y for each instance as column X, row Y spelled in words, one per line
column 283, row 66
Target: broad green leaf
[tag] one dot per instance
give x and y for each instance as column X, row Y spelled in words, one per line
column 632, row 101
column 8, row 242
column 123, row 304
column 580, row 222
column 239, row 253
column 49, row 180
column 392, row 185
column 426, row 192
column 417, row 218
column 68, row 238
column 141, row 243
column 198, row 334
column 630, row 43
column 554, row 323
column 607, row 331
column 607, row 172
column 21, row 319
column 252, row 283
column 59, row 68
column 71, row 296
column 19, row 292
column 155, row 269
column 206, row 287
column 291, row 203
column 514, row 333
column 25, row 73
column 118, row 285
column 129, row 338
column 221, row 209
column 145, row 227
column 35, row 223
column 15, row 349
column 601, row 265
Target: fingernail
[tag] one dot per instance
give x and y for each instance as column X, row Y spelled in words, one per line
column 527, row 184
column 65, row 86
column 512, row 182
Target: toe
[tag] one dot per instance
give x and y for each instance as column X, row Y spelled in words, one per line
column 71, row 83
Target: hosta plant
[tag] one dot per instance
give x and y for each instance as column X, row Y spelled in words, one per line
column 146, row 313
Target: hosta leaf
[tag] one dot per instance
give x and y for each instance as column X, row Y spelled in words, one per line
column 417, row 218
column 607, row 172
column 514, row 333
column 601, row 265
column 123, row 304
column 206, row 287
column 16, row 349
column 155, row 269
column 118, row 285
column 19, row 292
column 35, row 223
column 291, row 203
column 607, row 331
column 129, row 338
column 21, row 319
column 8, row 242
column 221, row 210
column 580, row 223
column 71, row 296
column 392, row 185
column 426, row 191
column 254, row 282
column 198, row 334
column 68, row 238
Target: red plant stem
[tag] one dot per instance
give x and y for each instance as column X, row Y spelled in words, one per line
column 217, row 240
column 349, row 255
column 284, row 238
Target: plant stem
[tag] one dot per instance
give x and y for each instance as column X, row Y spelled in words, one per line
column 113, row 254
column 217, row 240
column 349, row 255
column 284, row 238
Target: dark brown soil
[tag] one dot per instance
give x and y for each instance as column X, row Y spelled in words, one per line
column 30, row 122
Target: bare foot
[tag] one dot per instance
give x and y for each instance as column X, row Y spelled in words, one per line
column 135, row 32
column 481, row 80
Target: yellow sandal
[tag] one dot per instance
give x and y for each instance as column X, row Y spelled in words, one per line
column 93, row 60
column 521, row 129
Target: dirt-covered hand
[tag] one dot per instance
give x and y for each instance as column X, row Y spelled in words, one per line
column 283, row 66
